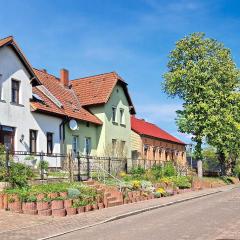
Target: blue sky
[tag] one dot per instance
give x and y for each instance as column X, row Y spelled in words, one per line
column 132, row 37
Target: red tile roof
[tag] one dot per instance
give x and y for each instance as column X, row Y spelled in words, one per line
column 70, row 103
column 97, row 89
column 145, row 128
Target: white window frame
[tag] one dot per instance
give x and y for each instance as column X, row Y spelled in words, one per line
column 88, row 141
column 75, row 137
column 122, row 117
column 114, row 110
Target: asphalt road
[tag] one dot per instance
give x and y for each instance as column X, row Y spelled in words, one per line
column 212, row 217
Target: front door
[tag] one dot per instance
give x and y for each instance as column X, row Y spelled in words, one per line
column 7, row 137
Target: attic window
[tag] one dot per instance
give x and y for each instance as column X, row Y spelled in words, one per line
column 35, row 97
column 114, row 113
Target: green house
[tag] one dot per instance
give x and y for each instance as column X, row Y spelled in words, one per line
column 106, row 97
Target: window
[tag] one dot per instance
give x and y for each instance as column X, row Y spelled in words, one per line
column 122, row 116
column 145, row 150
column 49, row 143
column 123, row 143
column 114, row 146
column 7, row 137
column 1, row 97
column 154, row 153
column 114, row 114
column 75, row 144
column 15, row 91
column 87, row 146
column 33, row 141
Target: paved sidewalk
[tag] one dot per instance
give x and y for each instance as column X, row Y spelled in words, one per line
column 17, row 226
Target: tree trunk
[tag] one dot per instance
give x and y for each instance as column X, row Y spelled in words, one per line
column 222, row 161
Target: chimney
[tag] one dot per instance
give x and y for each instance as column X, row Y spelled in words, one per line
column 64, row 77
column 44, row 70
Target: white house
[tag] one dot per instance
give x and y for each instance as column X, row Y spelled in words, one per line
column 21, row 128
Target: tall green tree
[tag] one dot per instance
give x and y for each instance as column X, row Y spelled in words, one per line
column 202, row 73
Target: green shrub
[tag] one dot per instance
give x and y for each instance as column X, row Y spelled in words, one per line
column 43, row 165
column 169, row 170
column 182, row 182
column 157, row 171
column 19, row 174
column 137, row 172
column 80, row 203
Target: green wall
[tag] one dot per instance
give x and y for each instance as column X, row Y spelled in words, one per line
column 83, row 132
column 101, row 136
column 112, row 130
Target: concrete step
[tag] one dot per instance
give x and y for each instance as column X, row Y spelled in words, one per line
column 114, row 203
column 107, row 194
column 89, row 182
column 110, row 199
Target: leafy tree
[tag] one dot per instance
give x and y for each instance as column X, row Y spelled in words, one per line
column 202, row 73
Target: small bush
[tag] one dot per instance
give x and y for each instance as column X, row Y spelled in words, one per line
column 182, row 182
column 169, row 170
column 157, row 171
column 137, row 172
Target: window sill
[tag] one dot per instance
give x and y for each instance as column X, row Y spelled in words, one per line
column 17, row 104
column 2, row 101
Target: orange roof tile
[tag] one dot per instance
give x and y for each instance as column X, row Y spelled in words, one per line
column 67, row 97
column 94, row 90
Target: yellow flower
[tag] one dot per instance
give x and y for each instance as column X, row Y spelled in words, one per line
column 122, row 174
column 161, row 190
column 136, row 184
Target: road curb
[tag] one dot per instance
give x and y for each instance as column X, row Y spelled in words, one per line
column 136, row 212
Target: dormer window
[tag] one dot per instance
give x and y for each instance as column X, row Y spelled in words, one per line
column 15, row 91
column 114, row 112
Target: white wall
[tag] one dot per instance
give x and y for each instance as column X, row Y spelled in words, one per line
column 21, row 116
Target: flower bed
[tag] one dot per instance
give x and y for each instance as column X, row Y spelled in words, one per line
column 52, row 199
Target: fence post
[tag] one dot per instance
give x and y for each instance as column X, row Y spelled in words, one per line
column 88, row 167
column 79, row 167
column 7, row 163
column 70, row 164
column 41, row 166
column 109, row 165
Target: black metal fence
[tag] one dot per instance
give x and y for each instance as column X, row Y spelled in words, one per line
column 75, row 166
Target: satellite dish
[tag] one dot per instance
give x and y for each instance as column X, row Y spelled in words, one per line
column 73, row 125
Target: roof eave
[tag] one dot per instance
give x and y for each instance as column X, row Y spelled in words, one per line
column 33, row 78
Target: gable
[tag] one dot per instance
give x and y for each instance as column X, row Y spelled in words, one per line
column 10, row 43
column 96, row 90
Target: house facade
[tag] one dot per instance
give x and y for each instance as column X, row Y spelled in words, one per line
column 106, row 97
column 150, row 142
column 83, row 137
column 21, row 129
